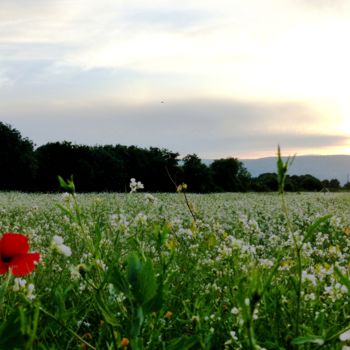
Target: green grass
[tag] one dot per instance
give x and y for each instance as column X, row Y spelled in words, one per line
column 242, row 271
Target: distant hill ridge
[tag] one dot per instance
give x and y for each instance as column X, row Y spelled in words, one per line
column 322, row 167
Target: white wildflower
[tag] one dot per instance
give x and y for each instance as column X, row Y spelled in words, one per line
column 233, row 335
column 20, row 283
column 65, row 196
column 345, row 336
column 141, row 218
column 149, row 198
column 134, row 186
column 58, row 246
column 74, row 272
column 57, row 239
column 30, row 291
column 83, row 323
column 234, row 311
column 101, row 264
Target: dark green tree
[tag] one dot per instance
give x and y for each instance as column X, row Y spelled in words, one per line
column 196, row 174
column 331, row 185
column 54, row 159
column 229, row 175
column 152, row 167
column 65, row 159
column 347, row 186
column 309, row 183
column 17, row 160
column 334, row 185
column 109, row 166
column 266, row 182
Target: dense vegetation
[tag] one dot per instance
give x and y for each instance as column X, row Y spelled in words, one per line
column 138, row 271
column 110, row 167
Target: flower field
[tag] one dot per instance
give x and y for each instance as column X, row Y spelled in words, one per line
column 142, row 271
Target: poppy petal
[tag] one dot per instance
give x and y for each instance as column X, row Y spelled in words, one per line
column 12, row 244
column 3, row 268
column 24, row 264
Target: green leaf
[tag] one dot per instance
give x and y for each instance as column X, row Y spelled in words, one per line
column 313, row 339
column 65, row 210
column 313, row 227
column 108, row 316
column 118, row 280
column 67, row 185
column 10, row 333
column 133, row 269
column 137, row 321
column 147, row 282
column 183, row 343
column 142, row 278
column 282, row 168
column 156, row 303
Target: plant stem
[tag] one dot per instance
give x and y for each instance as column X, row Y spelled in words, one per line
column 297, row 248
column 47, row 313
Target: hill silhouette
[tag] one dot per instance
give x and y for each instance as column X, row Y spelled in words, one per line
column 322, row 167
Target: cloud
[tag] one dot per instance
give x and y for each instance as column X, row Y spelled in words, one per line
column 209, row 128
column 166, row 18
column 95, row 72
column 5, row 80
column 337, row 5
column 259, row 49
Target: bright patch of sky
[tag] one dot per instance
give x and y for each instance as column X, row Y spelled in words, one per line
column 218, row 78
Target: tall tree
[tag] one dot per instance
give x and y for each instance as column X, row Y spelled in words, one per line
column 265, row 182
column 309, row 183
column 229, row 175
column 17, row 160
column 196, row 174
column 54, row 159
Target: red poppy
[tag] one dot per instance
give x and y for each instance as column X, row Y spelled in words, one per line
column 14, row 254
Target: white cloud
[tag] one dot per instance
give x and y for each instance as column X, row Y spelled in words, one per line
column 73, row 56
column 5, row 81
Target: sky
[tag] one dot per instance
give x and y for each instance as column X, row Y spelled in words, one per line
column 219, row 78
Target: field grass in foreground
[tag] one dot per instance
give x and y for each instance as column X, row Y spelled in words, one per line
column 138, row 271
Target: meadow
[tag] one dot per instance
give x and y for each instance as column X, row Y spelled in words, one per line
column 178, row 271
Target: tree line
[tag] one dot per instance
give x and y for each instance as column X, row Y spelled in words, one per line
column 110, row 168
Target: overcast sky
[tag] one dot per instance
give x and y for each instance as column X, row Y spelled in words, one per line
column 214, row 77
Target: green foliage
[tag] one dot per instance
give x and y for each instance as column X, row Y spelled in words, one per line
column 141, row 277
column 20, row 328
column 196, row 174
column 332, row 185
column 67, row 185
column 310, row 339
column 11, row 336
column 282, row 168
column 17, row 161
column 229, row 175
column 243, row 276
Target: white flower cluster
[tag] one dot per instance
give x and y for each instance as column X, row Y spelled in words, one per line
column 345, row 336
column 120, row 221
column 150, row 199
column 335, row 291
column 58, row 246
column 134, row 186
column 20, row 284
